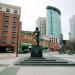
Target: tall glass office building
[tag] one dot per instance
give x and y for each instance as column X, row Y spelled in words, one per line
column 53, row 23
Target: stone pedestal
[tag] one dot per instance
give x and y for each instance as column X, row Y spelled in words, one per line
column 36, row 51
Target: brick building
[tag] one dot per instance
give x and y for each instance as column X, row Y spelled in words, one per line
column 10, row 26
column 27, row 37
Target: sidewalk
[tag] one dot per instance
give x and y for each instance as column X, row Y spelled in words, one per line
column 10, row 58
column 10, row 69
column 65, row 56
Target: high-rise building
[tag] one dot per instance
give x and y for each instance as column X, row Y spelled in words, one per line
column 10, row 26
column 72, row 28
column 41, row 24
column 53, row 24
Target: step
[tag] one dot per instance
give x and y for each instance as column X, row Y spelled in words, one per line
column 43, row 62
column 39, row 60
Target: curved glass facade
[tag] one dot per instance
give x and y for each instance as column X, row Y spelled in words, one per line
column 53, row 23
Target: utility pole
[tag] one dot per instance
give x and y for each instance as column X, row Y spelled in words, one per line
column 17, row 42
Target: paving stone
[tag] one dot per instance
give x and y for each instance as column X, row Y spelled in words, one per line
column 10, row 71
column 1, row 68
column 46, row 70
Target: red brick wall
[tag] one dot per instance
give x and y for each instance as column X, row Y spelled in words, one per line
column 9, row 33
column 1, row 23
column 27, row 39
column 31, row 39
column 9, row 30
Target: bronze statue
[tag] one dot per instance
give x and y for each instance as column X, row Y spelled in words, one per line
column 36, row 50
column 37, row 36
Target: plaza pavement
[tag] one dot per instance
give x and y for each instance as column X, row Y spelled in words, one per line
column 7, row 65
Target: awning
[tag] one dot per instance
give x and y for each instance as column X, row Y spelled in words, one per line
column 26, row 44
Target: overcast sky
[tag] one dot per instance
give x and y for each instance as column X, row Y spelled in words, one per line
column 32, row 9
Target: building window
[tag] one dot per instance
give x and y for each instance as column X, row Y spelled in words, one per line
column 7, row 9
column 51, row 32
column 56, row 40
column 15, row 11
column 5, row 29
column 7, row 15
column 4, row 35
column 13, row 35
column 50, row 40
column 6, row 19
column 4, row 40
column 14, row 20
column 13, row 41
column 5, row 25
column 13, row 26
column 14, row 30
column 14, row 23
column 14, row 17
